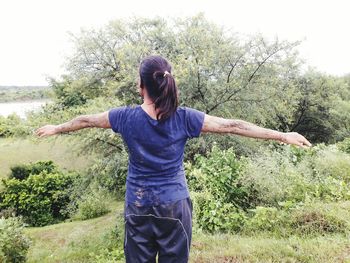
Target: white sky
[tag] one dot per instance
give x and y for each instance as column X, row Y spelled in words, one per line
column 34, row 37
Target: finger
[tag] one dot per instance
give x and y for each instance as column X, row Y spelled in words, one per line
column 38, row 130
column 307, row 142
column 304, row 145
column 41, row 133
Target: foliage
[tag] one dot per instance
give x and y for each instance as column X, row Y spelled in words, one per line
column 12, row 125
column 22, row 171
column 214, row 215
column 323, row 107
column 299, row 219
column 320, row 173
column 344, row 145
column 93, row 203
column 218, row 195
column 70, row 92
column 40, row 198
column 13, row 243
column 24, row 93
column 219, row 173
column 273, row 191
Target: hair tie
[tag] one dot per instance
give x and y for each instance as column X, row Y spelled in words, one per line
column 166, row 73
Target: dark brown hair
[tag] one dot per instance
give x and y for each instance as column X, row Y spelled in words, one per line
column 155, row 76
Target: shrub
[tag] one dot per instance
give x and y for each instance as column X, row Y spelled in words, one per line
column 320, row 218
column 344, row 145
column 22, row 171
column 93, row 203
column 299, row 219
column 287, row 174
column 7, row 212
column 219, row 174
column 12, row 125
column 213, row 215
column 230, row 192
column 331, row 162
column 13, row 244
column 267, row 219
column 110, row 173
column 40, row 199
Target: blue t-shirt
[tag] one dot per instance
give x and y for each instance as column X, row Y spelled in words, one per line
column 156, row 149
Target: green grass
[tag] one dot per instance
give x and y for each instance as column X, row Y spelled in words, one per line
column 60, row 150
column 234, row 248
column 75, row 241
column 72, row 241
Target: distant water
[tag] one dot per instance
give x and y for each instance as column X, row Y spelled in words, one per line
column 20, row 108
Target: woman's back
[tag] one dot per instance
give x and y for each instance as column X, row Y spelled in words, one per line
column 156, row 148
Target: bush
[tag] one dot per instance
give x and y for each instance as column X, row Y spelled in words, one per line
column 93, row 204
column 7, row 212
column 214, row 215
column 311, row 221
column 12, row 125
column 267, row 219
column 297, row 175
column 22, row 171
column 110, row 173
column 41, row 199
column 299, row 219
column 344, row 145
column 331, row 162
column 231, row 192
column 219, row 174
column 13, row 244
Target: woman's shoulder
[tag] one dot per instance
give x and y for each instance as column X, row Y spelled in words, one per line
column 189, row 110
column 125, row 108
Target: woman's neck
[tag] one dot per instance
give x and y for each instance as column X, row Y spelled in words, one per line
column 149, row 108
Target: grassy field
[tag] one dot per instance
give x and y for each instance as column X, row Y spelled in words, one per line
column 59, row 149
column 75, row 241
column 234, row 248
column 72, row 241
column 81, row 241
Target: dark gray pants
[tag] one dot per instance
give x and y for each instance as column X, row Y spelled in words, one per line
column 165, row 230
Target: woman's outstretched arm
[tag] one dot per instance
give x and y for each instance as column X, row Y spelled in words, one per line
column 99, row 120
column 220, row 125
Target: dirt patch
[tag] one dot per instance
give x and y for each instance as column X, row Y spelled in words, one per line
column 223, row 259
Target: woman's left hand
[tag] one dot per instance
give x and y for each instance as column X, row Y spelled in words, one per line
column 46, row 130
column 295, row 139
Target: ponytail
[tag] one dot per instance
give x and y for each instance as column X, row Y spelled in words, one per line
column 160, row 84
column 167, row 101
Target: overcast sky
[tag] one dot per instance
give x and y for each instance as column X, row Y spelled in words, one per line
column 34, row 39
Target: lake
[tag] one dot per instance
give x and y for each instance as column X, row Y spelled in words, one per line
column 21, row 107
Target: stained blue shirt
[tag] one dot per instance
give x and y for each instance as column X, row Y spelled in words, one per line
column 156, row 173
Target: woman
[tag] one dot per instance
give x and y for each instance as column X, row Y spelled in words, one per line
column 158, row 208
